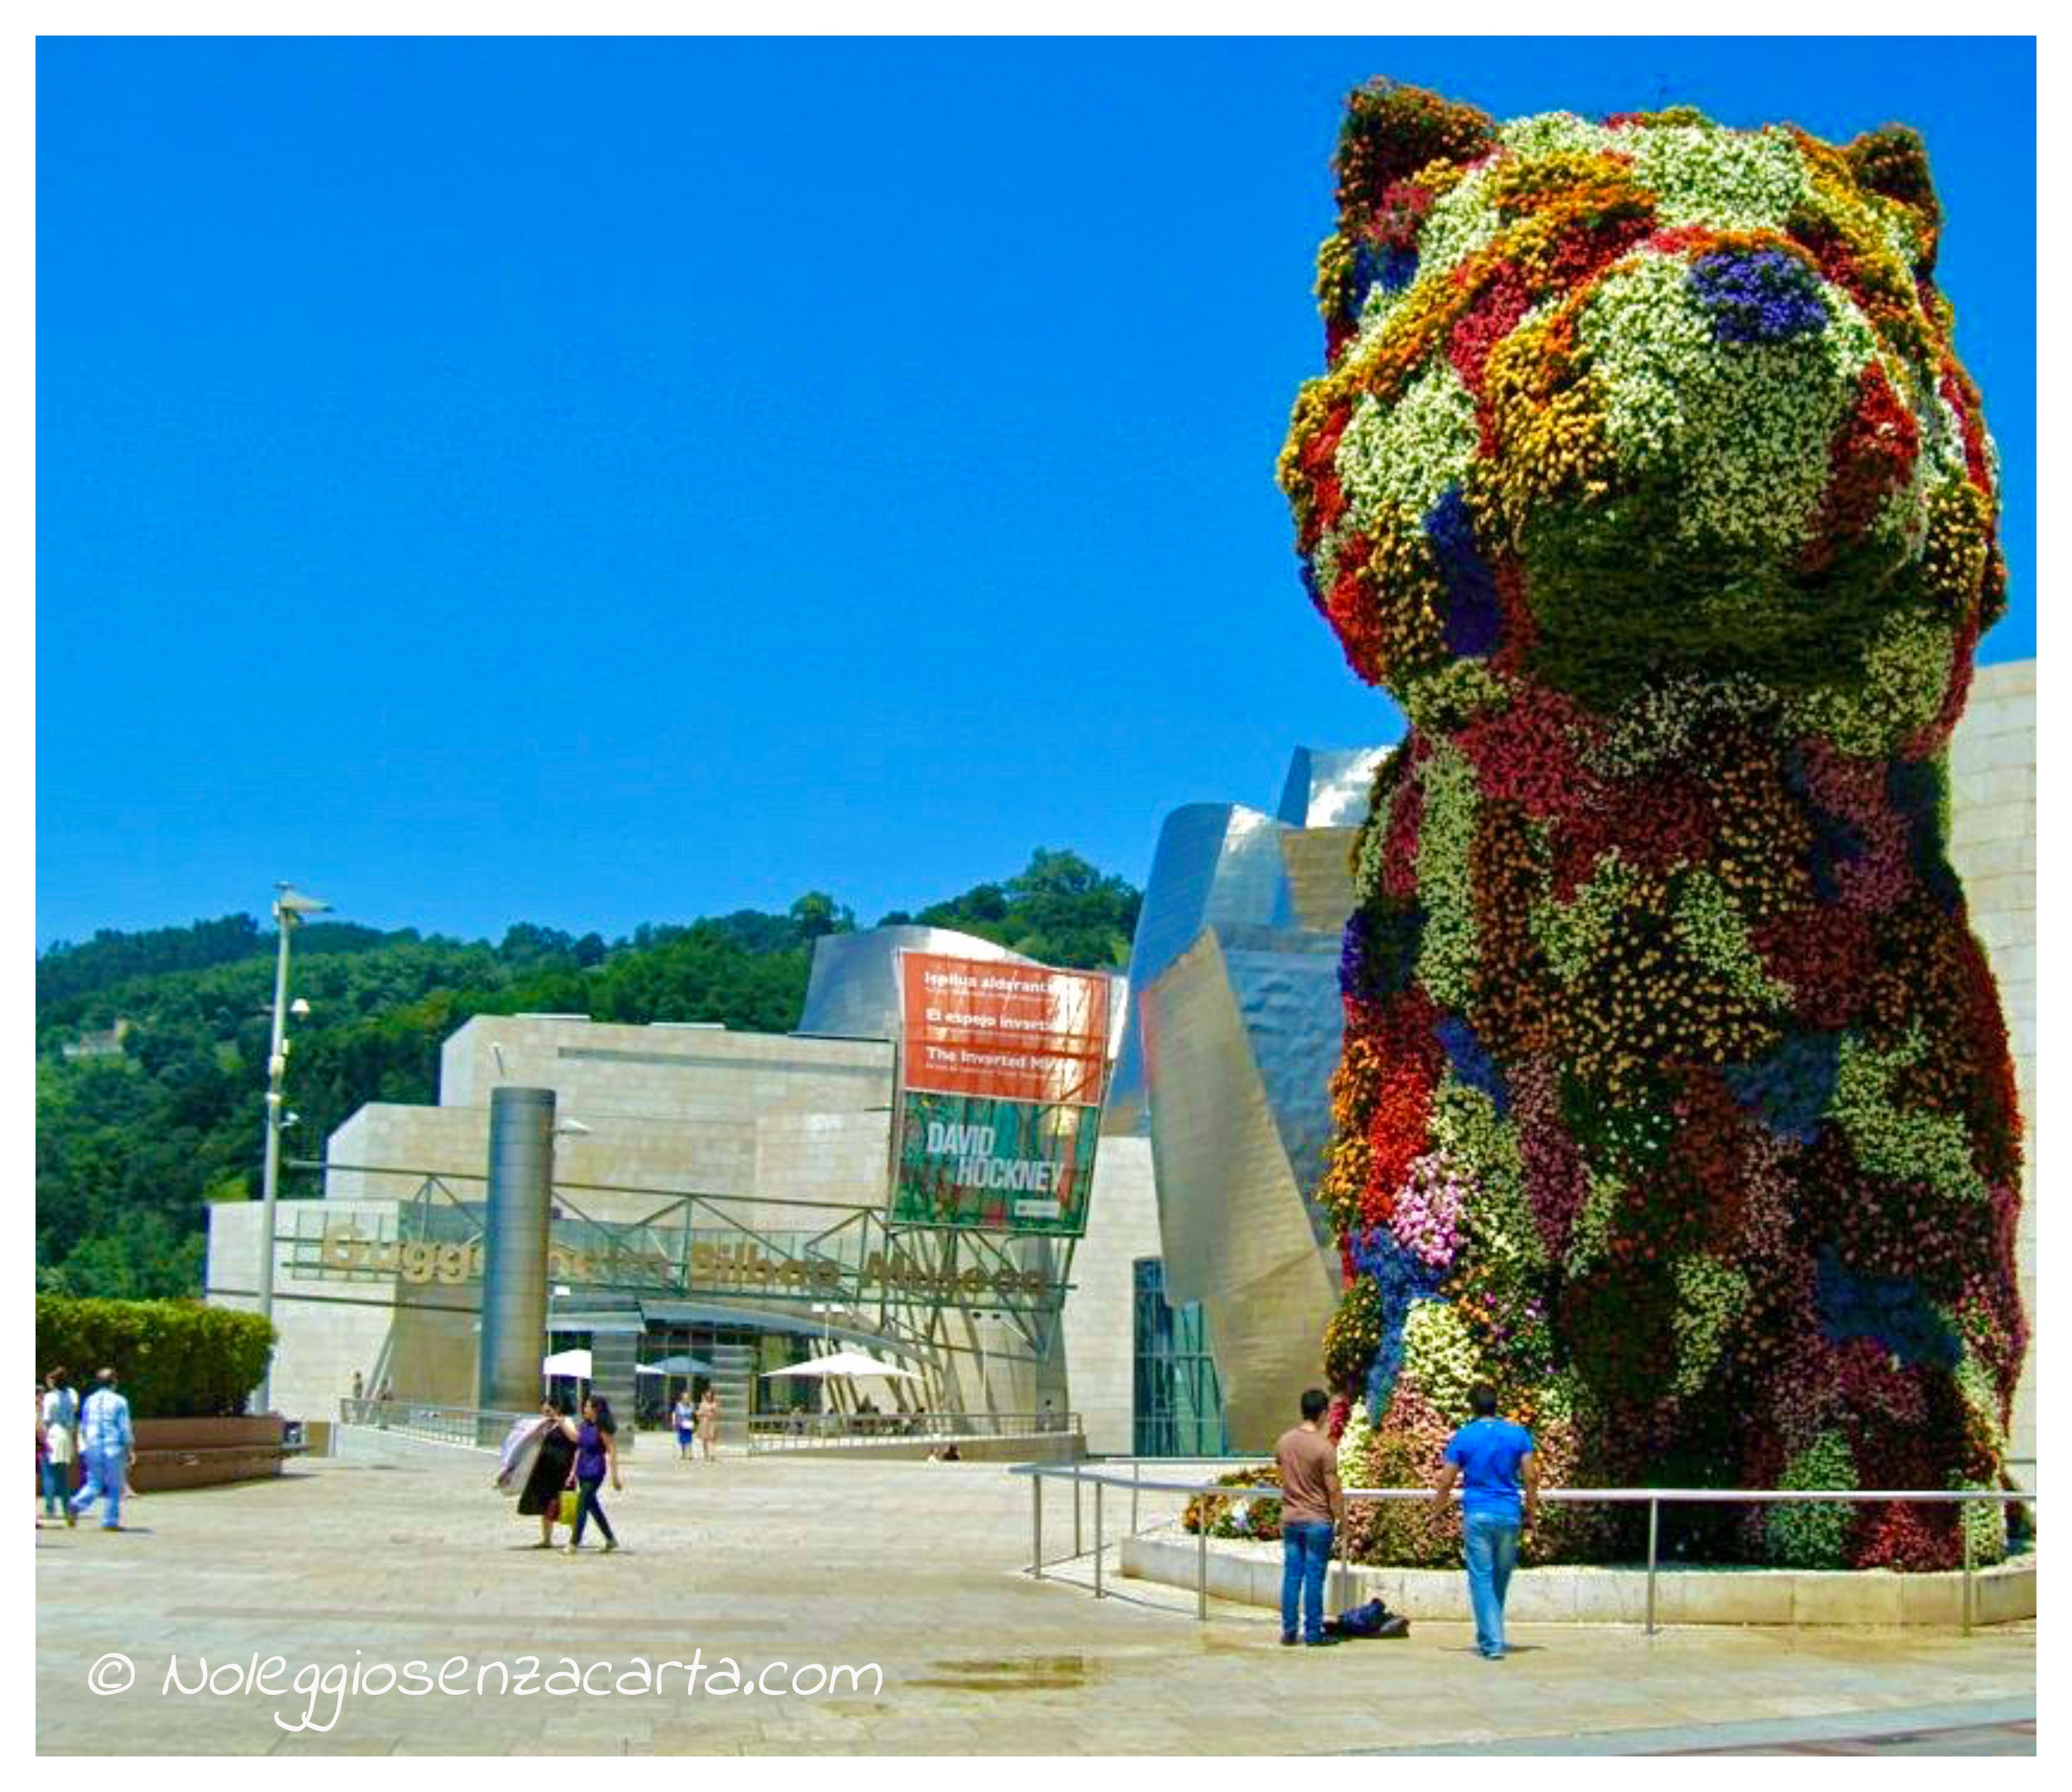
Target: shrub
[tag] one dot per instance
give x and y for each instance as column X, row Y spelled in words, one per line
column 177, row 1359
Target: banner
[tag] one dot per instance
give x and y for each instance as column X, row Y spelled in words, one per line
column 1002, row 1073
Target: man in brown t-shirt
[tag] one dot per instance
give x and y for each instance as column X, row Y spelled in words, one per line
column 1311, row 1503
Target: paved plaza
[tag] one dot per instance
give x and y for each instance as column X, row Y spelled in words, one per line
column 397, row 1552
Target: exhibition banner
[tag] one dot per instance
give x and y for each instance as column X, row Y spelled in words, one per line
column 1002, row 1073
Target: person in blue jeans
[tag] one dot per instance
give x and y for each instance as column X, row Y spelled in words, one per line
column 1499, row 1475
column 1312, row 1503
column 597, row 1454
column 105, row 1445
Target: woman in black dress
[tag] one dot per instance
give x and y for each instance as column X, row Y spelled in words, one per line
column 542, row 1497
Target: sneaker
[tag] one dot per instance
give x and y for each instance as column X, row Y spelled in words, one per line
column 1320, row 1642
column 72, row 1520
column 1288, row 1639
column 567, row 1549
column 611, row 1543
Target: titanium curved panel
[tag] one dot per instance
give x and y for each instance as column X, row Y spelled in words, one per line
column 1236, row 1231
column 852, row 991
column 1327, row 786
column 1214, row 862
column 1285, row 986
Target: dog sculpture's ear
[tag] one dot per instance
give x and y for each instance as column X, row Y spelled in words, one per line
column 1390, row 132
column 1399, row 148
column 1892, row 163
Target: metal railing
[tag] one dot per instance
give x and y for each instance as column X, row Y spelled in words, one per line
column 792, row 1431
column 478, row 1428
column 1081, row 1474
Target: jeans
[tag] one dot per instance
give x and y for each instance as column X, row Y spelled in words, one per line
column 1305, row 1552
column 586, row 1505
column 1490, row 1541
column 104, row 1475
column 57, row 1484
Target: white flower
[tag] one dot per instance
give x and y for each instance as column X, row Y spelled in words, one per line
column 1556, row 133
column 1730, row 180
column 1400, row 457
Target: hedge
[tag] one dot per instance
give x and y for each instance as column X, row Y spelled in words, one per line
column 177, row 1359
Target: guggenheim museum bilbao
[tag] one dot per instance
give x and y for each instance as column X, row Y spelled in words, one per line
column 724, row 1204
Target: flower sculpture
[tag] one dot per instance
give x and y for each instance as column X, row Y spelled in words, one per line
column 1676, row 1100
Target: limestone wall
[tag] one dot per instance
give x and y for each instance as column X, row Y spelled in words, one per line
column 1992, row 843
column 1101, row 1313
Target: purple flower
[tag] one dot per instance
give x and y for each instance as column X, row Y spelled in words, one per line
column 1759, row 296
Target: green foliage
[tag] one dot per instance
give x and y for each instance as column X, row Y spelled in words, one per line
column 132, row 1147
column 176, row 1359
column 1060, row 910
column 1810, row 1535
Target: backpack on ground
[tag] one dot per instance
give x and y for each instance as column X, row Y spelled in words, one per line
column 1372, row 1620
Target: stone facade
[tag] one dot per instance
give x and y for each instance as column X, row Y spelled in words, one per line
column 1992, row 845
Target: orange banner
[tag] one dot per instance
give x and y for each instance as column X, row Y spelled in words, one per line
column 1012, row 1032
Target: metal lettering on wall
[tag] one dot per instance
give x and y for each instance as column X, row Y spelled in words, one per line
column 705, row 1268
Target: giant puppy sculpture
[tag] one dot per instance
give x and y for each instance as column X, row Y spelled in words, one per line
column 1676, row 1098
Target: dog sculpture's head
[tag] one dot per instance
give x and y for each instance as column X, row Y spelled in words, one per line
column 1614, row 407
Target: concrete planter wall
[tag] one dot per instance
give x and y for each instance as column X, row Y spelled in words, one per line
column 204, row 1452
column 1249, row 1573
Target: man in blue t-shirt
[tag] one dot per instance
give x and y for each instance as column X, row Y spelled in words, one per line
column 1490, row 1457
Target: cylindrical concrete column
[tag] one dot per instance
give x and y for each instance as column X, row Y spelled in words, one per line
column 514, row 1270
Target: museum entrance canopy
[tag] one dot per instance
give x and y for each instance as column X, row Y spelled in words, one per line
column 690, row 1247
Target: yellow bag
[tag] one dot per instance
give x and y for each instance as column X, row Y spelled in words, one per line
column 568, row 1515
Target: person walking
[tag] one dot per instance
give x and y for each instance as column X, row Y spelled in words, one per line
column 1312, row 1505
column 553, row 1455
column 1494, row 1461
column 42, row 1454
column 58, row 1411
column 597, row 1452
column 686, row 1417
column 708, row 1422
column 105, row 1444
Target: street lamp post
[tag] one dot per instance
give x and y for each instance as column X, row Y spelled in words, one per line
column 289, row 906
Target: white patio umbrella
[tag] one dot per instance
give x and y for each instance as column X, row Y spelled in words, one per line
column 567, row 1363
column 846, row 1363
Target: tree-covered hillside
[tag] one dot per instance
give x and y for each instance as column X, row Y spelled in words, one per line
column 135, row 1135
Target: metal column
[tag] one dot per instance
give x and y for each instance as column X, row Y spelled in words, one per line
column 514, row 1269
column 1654, row 1514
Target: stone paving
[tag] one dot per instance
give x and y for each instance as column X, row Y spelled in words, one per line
column 397, row 1552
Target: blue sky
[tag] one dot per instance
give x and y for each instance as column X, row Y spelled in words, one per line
column 593, row 483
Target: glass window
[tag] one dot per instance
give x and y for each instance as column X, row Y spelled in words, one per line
column 1178, row 1406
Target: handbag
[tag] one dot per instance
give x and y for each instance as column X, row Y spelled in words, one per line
column 569, row 1504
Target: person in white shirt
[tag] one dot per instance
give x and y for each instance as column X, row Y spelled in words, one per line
column 60, row 1444
column 105, row 1444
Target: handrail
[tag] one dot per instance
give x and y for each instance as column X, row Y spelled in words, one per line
column 1080, row 1473
column 777, row 1431
column 478, row 1428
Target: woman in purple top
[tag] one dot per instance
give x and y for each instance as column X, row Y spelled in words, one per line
column 596, row 1454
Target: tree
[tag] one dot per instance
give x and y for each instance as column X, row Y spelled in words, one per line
column 815, row 913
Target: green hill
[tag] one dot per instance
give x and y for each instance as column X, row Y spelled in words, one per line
column 151, row 1046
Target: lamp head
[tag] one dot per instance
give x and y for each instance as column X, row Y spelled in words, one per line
column 290, row 903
